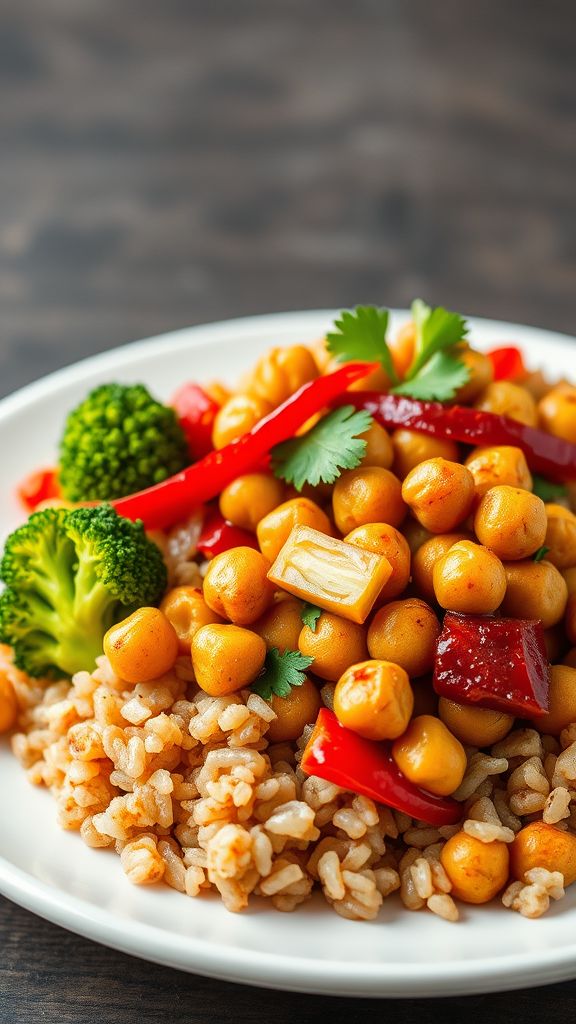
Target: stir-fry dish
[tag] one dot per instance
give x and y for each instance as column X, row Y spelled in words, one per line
column 314, row 632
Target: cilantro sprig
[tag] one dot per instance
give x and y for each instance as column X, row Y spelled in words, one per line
column 547, row 490
column 310, row 614
column 280, row 673
column 320, row 455
column 361, row 335
column 539, row 555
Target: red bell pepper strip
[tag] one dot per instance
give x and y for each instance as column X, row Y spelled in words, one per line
column 196, row 412
column 219, row 535
column 507, row 363
column 348, row 760
column 171, row 501
column 551, row 456
column 41, row 485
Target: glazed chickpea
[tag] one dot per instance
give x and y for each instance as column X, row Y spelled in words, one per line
column 439, row 493
column 570, row 579
column 374, row 699
column 8, row 704
column 557, row 412
column 415, row 534
column 539, row 845
column 534, row 590
column 570, row 619
column 186, row 610
column 405, row 632
column 477, row 870
column 334, row 644
column 425, row 559
column 430, row 756
column 481, row 374
column 249, row 498
column 368, row 494
column 142, row 646
column 469, row 578
column 560, row 536
column 239, row 414
column 226, row 658
column 501, row 464
column 237, row 587
column 382, row 539
column 294, row 712
column 511, row 522
column 506, row 399
column 280, row 373
column 273, row 531
column 411, row 448
column 402, row 348
column 281, row 625
column 475, row 727
column 562, row 701
column 379, row 451
column 322, row 357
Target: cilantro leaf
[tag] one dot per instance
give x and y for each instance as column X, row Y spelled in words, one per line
column 438, row 380
column 329, row 447
column 540, row 554
column 547, row 490
column 280, row 673
column 361, row 335
column 310, row 615
column 437, row 330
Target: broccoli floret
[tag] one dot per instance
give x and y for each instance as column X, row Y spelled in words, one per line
column 70, row 575
column 117, row 441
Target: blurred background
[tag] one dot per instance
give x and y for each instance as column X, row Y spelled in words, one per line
column 164, row 164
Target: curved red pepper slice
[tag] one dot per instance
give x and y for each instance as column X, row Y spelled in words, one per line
column 348, row 760
column 507, row 363
column 546, row 454
column 171, row 501
column 219, row 535
column 41, row 485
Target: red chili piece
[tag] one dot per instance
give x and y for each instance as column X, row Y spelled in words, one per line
column 219, row 535
column 493, row 663
column 196, row 411
column 341, row 756
column 41, row 485
column 551, row 456
column 507, row 363
column 171, row 501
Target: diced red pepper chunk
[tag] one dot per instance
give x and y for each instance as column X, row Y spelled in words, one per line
column 41, row 485
column 219, row 535
column 493, row 663
column 507, row 363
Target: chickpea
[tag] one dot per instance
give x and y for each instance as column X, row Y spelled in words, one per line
column 249, row 498
column 334, row 644
column 475, row 727
column 560, row 536
column 142, row 646
column 379, row 451
column 539, row 845
column 280, row 373
column 511, row 522
column 415, row 534
column 281, row 625
column 368, row 494
column 273, row 531
column 477, row 870
column 506, row 399
column 226, row 658
column 402, row 348
column 382, row 539
column 430, row 756
column 562, row 701
column 376, row 380
column 570, row 579
column 439, row 493
column 374, row 699
column 570, row 619
column 425, row 699
column 481, row 374
column 405, row 632
column 237, row 587
column 535, row 590
column 425, row 559
column 186, row 610
column 411, row 448
column 501, row 464
column 557, row 412
column 238, row 415
column 294, row 712
column 469, row 578
column 8, row 704
column 321, row 355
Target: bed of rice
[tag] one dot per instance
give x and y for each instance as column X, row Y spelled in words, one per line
column 187, row 790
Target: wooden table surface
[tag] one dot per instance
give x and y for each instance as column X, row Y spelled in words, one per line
column 163, row 164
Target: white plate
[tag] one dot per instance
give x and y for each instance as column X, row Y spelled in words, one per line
column 56, row 876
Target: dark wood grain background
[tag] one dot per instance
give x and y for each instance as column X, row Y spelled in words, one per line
column 163, row 164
